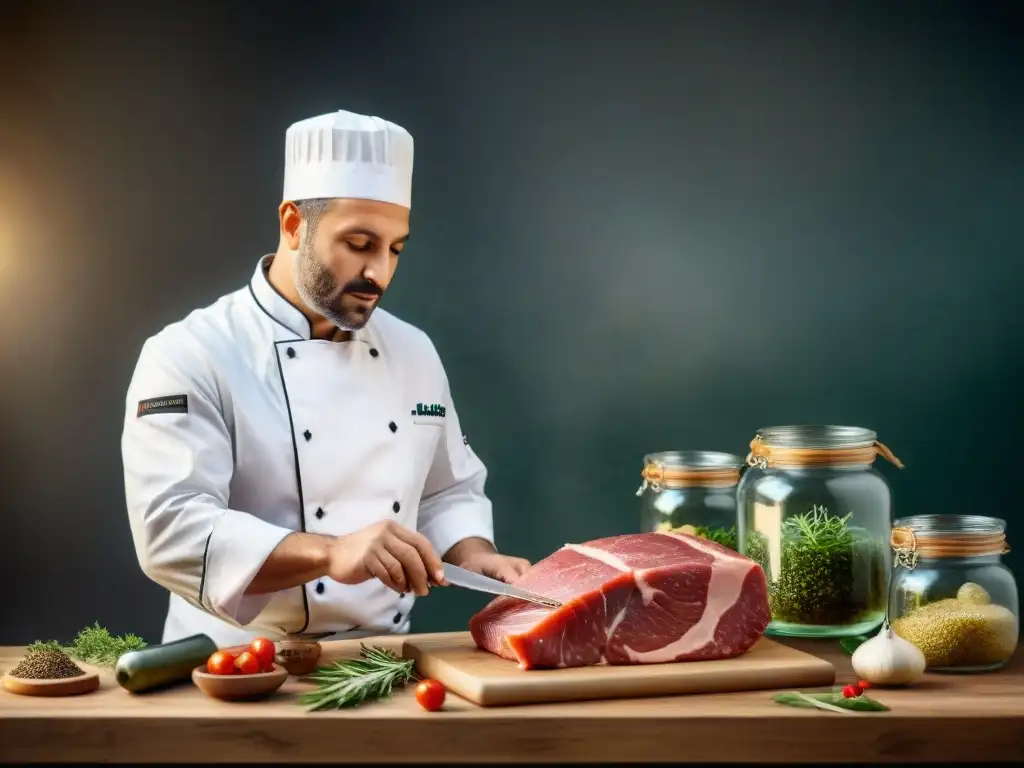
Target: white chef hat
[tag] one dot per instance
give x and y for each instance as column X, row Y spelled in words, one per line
column 342, row 154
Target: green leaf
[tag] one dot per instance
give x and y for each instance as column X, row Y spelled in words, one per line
column 850, row 644
column 830, row 701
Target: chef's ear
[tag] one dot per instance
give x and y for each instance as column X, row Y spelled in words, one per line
column 291, row 222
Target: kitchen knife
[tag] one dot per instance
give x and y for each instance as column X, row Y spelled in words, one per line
column 460, row 577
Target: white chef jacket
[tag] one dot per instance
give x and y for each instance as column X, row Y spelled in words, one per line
column 240, row 429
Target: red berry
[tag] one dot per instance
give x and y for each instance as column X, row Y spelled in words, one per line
column 850, row 692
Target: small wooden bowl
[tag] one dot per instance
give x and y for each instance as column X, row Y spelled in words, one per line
column 239, row 687
column 65, row 686
column 298, row 657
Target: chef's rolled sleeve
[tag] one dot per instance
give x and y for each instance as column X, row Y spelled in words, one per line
column 454, row 505
column 178, row 466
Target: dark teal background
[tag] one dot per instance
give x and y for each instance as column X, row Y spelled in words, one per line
column 636, row 227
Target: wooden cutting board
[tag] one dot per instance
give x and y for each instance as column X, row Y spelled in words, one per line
column 488, row 680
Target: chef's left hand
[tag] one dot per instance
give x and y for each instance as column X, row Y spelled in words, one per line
column 500, row 567
column 479, row 556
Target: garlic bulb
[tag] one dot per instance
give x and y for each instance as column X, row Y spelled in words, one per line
column 888, row 659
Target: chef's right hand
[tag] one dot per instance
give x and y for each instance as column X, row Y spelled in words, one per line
column 403, row 559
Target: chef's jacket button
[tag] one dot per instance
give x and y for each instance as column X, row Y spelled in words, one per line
column 396, row 506
column 393, row 427
column 398, row 618
column 319, row 587
column 307, row 434
column 319, row 512
column 291, row 352
column 401, row 595
column 373, row 352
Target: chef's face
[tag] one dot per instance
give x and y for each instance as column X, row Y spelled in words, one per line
column 345, row 260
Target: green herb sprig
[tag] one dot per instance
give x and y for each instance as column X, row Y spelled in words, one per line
column 349, row 683
column 724, row 536
column 832, row 702
column 94, row 645
column 819, row 530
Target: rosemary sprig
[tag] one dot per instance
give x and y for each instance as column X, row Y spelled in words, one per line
column 348, row 683
column 94, row 645
column 819, row 530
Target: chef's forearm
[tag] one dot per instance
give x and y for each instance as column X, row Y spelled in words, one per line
column 298, row 559
column 466, row 548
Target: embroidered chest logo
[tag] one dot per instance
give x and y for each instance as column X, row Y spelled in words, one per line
column 429, row 414
column 171, row 404
column 435, row 410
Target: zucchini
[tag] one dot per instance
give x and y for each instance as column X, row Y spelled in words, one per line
column 156, row 666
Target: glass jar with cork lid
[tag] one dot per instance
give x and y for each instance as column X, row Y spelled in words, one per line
column 691, row 492
column 951, row 595
column 816, row 515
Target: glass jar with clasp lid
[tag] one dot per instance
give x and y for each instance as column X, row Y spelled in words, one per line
column 950, row 593
column 816, row 515
column 691, row 492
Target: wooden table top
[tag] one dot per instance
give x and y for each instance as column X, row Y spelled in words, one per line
column 944, row 718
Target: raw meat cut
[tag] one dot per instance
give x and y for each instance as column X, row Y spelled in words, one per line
column 635, row 599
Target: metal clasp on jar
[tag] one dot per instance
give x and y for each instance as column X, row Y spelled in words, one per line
column 904, row 545
column 654, row 483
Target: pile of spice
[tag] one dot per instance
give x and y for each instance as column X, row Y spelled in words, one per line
column 46, row 664
column 963, row 631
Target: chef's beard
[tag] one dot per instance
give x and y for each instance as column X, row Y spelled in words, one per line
column 320, row 291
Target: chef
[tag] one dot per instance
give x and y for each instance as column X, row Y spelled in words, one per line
column 293, row 461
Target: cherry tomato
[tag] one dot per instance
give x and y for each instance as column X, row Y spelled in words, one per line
column 430, row 695
column 263, row 650
column 863, row 685
column 221, row 663
column 850, row 692
column 247, row 663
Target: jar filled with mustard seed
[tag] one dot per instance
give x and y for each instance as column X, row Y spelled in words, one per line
column 691, row 492
column 815, row 514
column 951, row 595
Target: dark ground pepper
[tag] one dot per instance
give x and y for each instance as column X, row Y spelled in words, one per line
column 46, row 664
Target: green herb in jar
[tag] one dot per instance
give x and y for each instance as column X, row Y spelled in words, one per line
column 757, row 550
column 828, row 573
column 724, row 536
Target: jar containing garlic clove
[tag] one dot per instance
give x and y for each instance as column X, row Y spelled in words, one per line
column 691, row 492
column 951, row 595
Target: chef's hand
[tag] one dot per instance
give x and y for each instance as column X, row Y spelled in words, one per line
column 497, row 566
column 479, row 556
column 403, row 559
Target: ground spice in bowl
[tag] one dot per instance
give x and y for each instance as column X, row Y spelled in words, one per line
column 299, row 658
column 47, row 664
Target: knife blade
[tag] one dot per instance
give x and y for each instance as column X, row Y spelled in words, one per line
column 460, row 577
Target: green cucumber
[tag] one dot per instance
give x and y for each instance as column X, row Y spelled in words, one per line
column 156, row 666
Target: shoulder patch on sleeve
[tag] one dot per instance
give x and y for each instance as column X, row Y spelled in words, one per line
column 169, row 404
